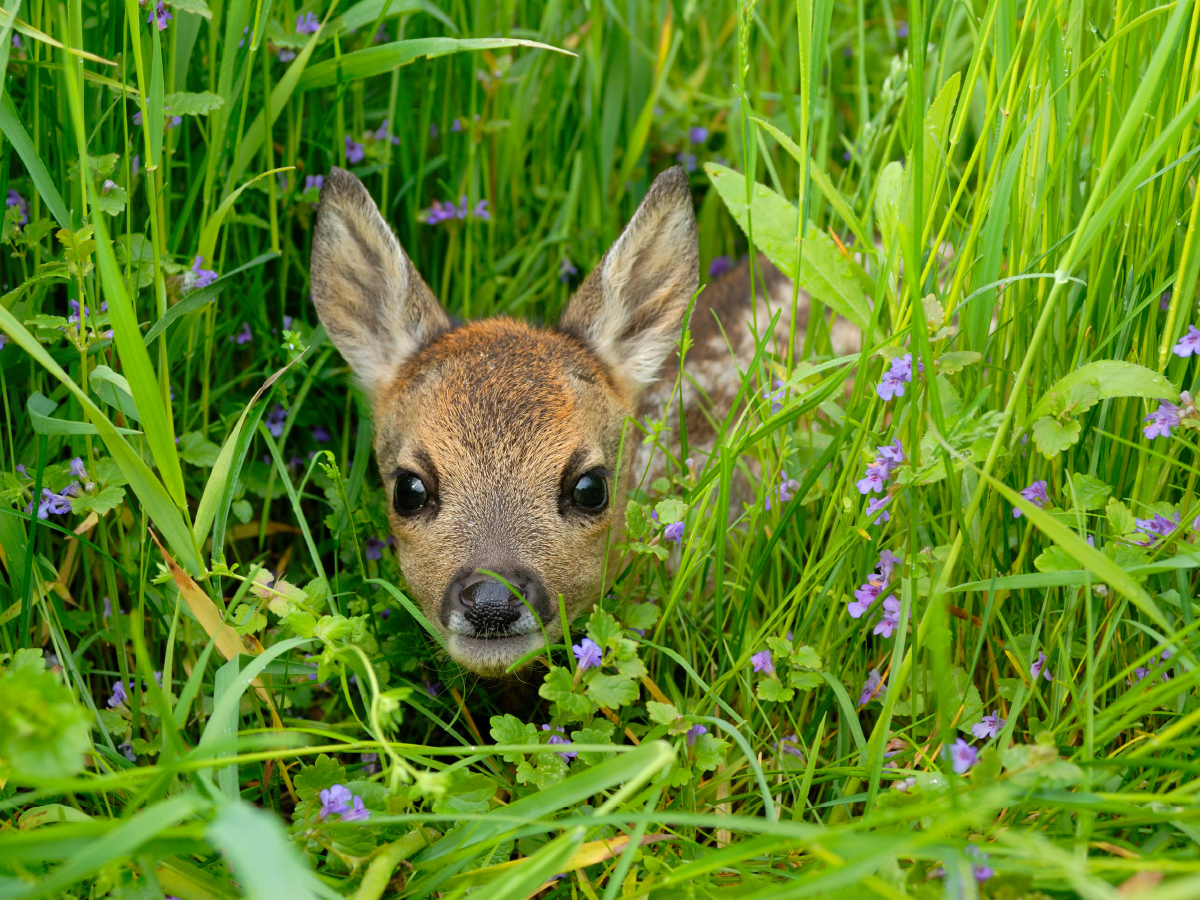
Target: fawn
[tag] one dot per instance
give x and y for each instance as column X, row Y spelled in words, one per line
column 498, row 441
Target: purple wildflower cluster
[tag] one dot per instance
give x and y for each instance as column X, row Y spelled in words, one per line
column 445, row 212
column 373, row 547
column 384, row 133
column 898, row 374
column 159, row 16
column 961, row 755
column 204, row 277
column 787, row 487
column 308, row 24
column 762, row 662
column 674, row 532
column 355, row 152
column 588, row 654
column 276, row 419
column 988, row 726
column 1189, row 344
column 1035, row 494
column 877, row 585
column 120, row 692
column 1154, row 529
column 870, row 687
column 888, row 458
column 59, row 504
column 789, row 744
column 1160, row 422
column 339, row 801
column 557, row 737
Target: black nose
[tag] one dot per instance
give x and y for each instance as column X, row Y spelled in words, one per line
column 488, row 604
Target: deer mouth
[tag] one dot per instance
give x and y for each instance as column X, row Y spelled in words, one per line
column 493, row 654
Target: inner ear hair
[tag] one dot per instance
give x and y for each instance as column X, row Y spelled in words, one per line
column 630, row 308
column 373, row 304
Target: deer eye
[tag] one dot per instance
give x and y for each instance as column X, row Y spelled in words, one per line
column 409, row 495
column 590, row 492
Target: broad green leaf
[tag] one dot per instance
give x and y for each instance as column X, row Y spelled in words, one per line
column 366, row 12
column 670, row 511
column 196, row 449
column 1053, row 437
column 1120, row 519
column 1112, row 378
column 662, row 713
column 887, row 204
column 103, row 501
column 1055, row 559
column 182, row 103
column 824, row 271
column 112, row 199
column 267, row 863
column 198, row 7
column 613, row 691
column 44, row 733
column 773, row 692
column 1088, row 493
column 113, row 389
column 957, row 360
column 39, row 408
column 710, row 751
column 558, row 688
column 806, row 657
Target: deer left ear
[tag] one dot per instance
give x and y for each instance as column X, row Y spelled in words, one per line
column 630, row 308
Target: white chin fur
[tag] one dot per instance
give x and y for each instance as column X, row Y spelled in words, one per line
column 491, row 656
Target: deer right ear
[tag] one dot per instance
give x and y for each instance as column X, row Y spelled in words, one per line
column 373, row 304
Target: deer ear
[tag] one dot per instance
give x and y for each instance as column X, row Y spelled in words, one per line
column 373, row 304
column 630, row 308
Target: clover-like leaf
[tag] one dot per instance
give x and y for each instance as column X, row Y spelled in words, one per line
column 1088, row 492
column 773, row 692
column 612, row 691
column 957, row 360
column 1052, row 438
column 710, row 752
column 670, row 511
column 323, row 773
column 508, row 729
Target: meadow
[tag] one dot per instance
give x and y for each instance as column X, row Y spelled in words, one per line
column 947, row 650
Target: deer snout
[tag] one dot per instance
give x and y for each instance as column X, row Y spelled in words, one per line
column 480, row 605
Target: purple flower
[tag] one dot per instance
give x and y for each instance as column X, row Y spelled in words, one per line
column 127, row 751
column 370, row 763
column 697, row 134
column 1138, row 675
column 321, row 434
column 276, row 419
column 694, row 732
column 762, row 662
column 687, row 160
column 244, row 336
column 898, row 374
column 988, row 726
column 566, row 755
column 1164, row 302
column 588, row 654
column 1035, row 494
column 789, row 744
column 480, row 211
column 1038, row 664
column 335, row 801
column 373, row 548
column 308, row 24
column 1189, row 343
column 674, row 532
column 566, row 269
column 159, row 16
column 285, row 55
column 16, row 41
column 873, row 479
column 107, row 608
column 719, row 266
column 119, row 695
column 1158, row 527
column 775, row 396
column 78, row 470
column 787, row 488
column 980, row 870
column 137, row 117
column 433, row 130
column 52, row 503
column 456, row 125
column 892, row 454
column 287, row 323
column 891, row 618
column 901, row 29
column 136, row 163
column 3, row 340
column 1162, row 420
column 433, row 688
column 962, row 756
column 864, row 596
column 204, row 277
column 875, row 506
column 173, row 121
column 870, row 687
column 15, row 199
column 385, row 134
column 312, row 182
column 381, row 36
column 355, row 152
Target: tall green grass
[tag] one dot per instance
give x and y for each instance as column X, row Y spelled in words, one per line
column 1006, row 192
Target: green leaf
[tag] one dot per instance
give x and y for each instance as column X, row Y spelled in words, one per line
column 956, row 360
column 196, row 449
column 44, row 733
column 197, row 7
column 182, row 103
column 112, row 200
column 613, row 691
column 887, row 205
column 1088, row 493
column 267, row 863
column 559, row 688
column 639, row 615
column 1111, row 378
column 103, row 501
column 1055, row 559
column 824, row 272
column 247, row 619
column 10, row 124
column 805, row 681
column 806, row 657
column 774, row 692
column 1120, row 519
column 781, row 647
column 670, row 511
column 604, row 630
column 1052, row 438
column 323, row 773
column 508, row 729
column 365, row 12
column 662, row 713
column 600, row 732
column 638, row 523
column 710, row 752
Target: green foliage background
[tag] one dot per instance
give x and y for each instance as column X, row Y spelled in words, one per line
column 205, row 636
